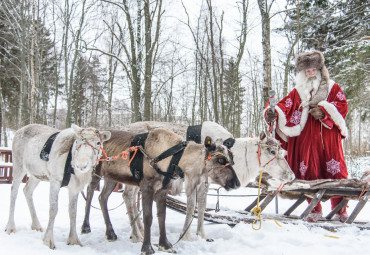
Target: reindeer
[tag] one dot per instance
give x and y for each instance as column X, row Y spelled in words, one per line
column 194, row 163
column 246, row 167
column 68, row 162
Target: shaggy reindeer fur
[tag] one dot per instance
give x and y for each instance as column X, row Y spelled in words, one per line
column 27, row 145
column 246, row 168
column 191, row 163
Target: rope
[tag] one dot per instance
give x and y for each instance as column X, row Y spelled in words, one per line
column 132, row 207
column 114, row 208
column 124, row 155
column 217, row 209
column 192, row 217
column 277, row 223
column 281, row 186
column 322, row 140
column 363, row 191
column 257, row 210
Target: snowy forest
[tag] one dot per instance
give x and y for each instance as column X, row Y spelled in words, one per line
column 107, row 63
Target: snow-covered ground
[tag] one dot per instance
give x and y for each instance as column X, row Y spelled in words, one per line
column 242, row 239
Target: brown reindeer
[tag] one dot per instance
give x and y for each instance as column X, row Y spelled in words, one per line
column 197, row 163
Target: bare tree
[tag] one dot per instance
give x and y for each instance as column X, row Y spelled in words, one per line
column 265, row 8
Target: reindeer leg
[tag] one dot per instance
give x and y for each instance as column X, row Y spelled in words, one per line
column 28, row 192
column 139, row 222
column 190, row 207
column 53, row 210
column 73, row 238
column 202, row 203
column 147, row 192
column 17, row 179
column 108, row 188
column 164, row 244
column 129, row 195
column 89, row 196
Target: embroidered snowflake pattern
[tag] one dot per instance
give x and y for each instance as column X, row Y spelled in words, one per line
column 288, row 103
column 296, row 117
column 333, row 167
column 341, row 96
column 302, row 168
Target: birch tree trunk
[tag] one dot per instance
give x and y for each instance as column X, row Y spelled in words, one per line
column 77, row 40
column 265, row 16
column 32, row 55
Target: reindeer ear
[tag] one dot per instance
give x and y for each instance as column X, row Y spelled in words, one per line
column 75, row 128
column 262, row 135
column 208, row 143
column 105, row 135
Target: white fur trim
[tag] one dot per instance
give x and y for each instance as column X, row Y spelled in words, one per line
column 281, row 134
column 295, row 130
column 336, row 116
column 331, row 84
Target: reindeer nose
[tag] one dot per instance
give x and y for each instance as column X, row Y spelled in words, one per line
column 232, row 183
column 82, row 167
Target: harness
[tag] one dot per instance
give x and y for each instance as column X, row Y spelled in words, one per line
column 68, row 168
column 136, row 165
column 45, row 153
column 173, row 170
column 193, row 133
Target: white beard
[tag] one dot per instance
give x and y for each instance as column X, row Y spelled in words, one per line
column 307, row 86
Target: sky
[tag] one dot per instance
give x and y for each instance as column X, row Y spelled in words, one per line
column 294, row 238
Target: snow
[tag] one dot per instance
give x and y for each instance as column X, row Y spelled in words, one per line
column 299, row 238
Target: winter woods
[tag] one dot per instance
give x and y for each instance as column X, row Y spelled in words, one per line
column 107, row 63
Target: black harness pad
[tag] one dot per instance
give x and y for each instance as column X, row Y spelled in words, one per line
column 193, row 133
column 45, row 152
column 68, row 169
column 136, row 165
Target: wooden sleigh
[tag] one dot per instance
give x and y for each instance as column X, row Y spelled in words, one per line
column 299, row 190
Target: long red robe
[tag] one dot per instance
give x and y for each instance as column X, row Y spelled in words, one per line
column 314, row 147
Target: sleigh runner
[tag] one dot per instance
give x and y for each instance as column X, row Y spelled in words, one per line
column 299, row 190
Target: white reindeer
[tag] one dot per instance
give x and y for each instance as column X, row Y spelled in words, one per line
column 81, row 145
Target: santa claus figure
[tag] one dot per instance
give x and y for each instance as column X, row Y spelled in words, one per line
column 310, row 126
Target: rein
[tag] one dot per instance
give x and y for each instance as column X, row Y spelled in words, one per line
column 124, row 154
column 257, row 210
column 86, row 142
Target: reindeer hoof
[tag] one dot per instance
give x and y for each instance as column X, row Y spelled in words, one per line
column 210, row 240
column 111, row 236
column 74, row 241
column 169, row 250
column 136, row 239
column 85, row 229
column 166, row 246
column 37, row 228
column 50, row 243
column 147, row 249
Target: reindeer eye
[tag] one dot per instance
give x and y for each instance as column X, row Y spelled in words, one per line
column 272, row 152
column 222, row 161
column 98, row 143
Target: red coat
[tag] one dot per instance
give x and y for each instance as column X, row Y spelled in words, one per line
column 314, row 146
